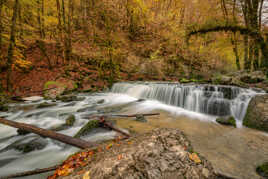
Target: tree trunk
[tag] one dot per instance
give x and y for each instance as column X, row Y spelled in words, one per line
column 39, row 19
column 1, row 25
column 48, row 133
column 246, row 59
column 43, row 19
column 234, row 43
column 12, row 43
column 68, row 48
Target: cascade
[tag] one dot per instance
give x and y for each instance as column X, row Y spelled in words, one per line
column 216, row 100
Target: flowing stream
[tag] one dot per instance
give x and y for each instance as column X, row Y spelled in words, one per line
column 202, row 102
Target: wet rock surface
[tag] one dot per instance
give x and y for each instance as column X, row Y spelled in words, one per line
column 228, row 121
column 161, row 153
column 257, row 113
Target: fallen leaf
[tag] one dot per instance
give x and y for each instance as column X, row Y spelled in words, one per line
column 86, row 175
column 194, row 157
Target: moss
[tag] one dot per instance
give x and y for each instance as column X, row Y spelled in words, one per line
column 87, row 128
column 262, row 170
column 184, row 80
column 230, row 121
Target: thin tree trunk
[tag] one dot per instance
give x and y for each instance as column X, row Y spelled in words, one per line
column 39, row 19
column 43, row 19
column 1, row 25
column 246, row 59
column 12, row 44
column 250, row 53
column 234, row 43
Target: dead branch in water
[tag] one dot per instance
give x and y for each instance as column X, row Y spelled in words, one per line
column 29, row 173
column 110, row 126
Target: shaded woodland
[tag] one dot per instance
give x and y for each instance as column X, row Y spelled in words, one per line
column 107, row 40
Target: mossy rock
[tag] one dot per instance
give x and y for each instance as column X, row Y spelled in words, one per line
column 69, row 98
column 58, row 89
column 70, row 120
column 22, row 132
column 87, row 128
column 3, row 107
column 230, row 121
column 262, row 170
column 45, row 105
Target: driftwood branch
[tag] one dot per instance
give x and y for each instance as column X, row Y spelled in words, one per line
column 110, row 126
column 48, row 133
column 29, row 173
column 124, row 115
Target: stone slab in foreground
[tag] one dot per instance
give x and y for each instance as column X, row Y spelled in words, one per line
column 162, row 153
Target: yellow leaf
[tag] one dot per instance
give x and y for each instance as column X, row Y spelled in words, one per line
column 86, row 175
column 194, row 157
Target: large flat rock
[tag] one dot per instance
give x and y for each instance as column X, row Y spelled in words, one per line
column 161, row 153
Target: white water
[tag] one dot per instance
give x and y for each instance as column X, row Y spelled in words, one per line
column 196, row 102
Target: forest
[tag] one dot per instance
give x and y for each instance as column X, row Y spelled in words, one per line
column 108, row 41
column 134, row 89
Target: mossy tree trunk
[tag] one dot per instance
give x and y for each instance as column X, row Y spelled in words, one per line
column 12, row 44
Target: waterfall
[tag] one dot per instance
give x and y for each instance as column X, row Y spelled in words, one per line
column 216, row 100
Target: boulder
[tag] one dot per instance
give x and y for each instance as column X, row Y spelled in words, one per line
column 253, row 77
column 257, row 113
column 159, row 154
column 229, row 121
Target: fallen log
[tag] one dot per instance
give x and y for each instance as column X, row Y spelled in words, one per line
column 48, row 133
column 29, row 173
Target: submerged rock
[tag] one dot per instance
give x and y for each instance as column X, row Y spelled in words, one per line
column 162, row 153
column 36, row 144
column 257, row 113
column 27, row 144
column 69, row 98
column 45, row 105
column 229, row 121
